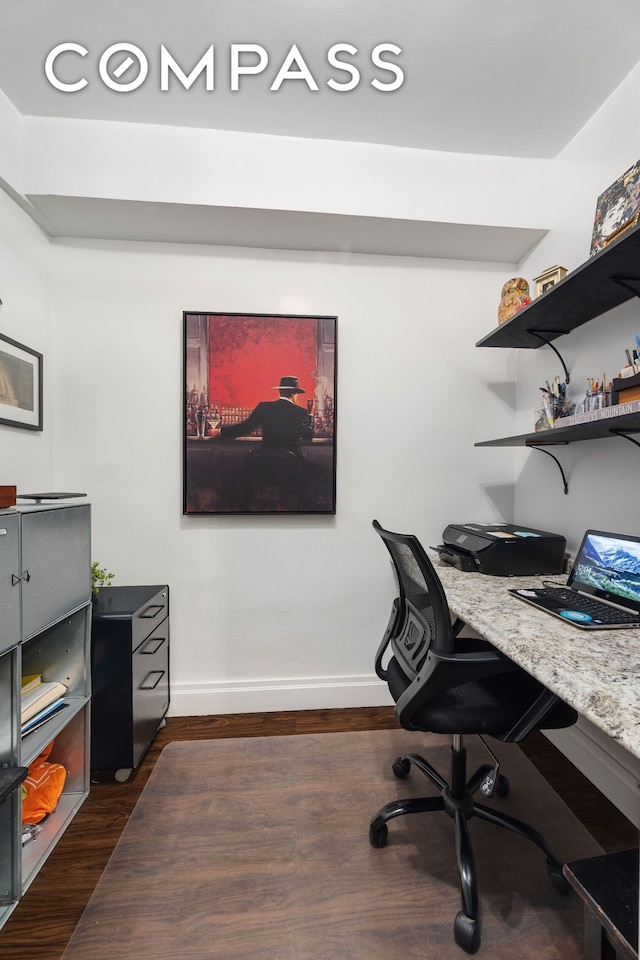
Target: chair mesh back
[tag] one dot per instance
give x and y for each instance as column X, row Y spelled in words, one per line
column 413, row 581
column 424, row 620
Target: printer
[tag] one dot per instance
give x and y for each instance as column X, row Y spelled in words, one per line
column 502, row 549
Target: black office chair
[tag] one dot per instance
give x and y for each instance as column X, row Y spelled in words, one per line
column 444, row 683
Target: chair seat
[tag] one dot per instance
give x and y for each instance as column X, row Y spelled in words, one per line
column 490, row 706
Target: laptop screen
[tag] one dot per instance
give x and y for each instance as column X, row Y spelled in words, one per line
column 607, row 565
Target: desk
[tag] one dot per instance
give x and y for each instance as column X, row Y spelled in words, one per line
column 596, row 672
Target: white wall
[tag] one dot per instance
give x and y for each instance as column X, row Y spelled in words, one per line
column 276, row 612
column 11, row 155
column 26, row 455
column 222, row 168
column 602, row 474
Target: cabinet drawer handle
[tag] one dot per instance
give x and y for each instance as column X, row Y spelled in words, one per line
column 26, row 576
column 15, row 579
column 152, row 645
column 151, row 611
column 148, row 683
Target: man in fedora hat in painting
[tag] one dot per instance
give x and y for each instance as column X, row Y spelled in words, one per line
column 283, row 423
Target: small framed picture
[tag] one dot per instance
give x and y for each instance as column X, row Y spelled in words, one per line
column 617, row 209
column 20, row 385
column 548, row 279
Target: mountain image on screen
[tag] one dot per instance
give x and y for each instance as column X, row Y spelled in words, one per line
column 611, row 565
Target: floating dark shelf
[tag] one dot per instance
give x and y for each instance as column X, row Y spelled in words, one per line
column 588, row 291
column 628, row 423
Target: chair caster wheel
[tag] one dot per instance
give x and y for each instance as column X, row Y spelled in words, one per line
column 558, row 880
column 502, row 786
column 466, row 932
column 401, row 767
column 378, row 836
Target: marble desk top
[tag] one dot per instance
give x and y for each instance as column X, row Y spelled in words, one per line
column 596, row 671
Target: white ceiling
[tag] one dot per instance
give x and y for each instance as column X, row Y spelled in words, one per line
column 500, row 77
column 504, row 77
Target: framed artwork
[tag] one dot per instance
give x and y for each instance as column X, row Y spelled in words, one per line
column 20, row 385
column 617, row 209
column 548, row 279
column 259, row 417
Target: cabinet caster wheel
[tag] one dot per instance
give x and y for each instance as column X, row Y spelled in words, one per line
column 123, row 774
column 466, row 932
column 558, row 880
column 378, row 837
column 401, row 767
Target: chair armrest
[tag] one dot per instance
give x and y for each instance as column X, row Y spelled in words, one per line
column 534, row 718
column 386, row 640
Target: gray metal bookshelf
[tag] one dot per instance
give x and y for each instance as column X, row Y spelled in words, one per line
column 45, row 606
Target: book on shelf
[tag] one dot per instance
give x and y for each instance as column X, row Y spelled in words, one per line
column 30, row 682
column 42, row 717
column 40, row 697
column 606, row 413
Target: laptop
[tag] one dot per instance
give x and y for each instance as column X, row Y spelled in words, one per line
column 603, row 589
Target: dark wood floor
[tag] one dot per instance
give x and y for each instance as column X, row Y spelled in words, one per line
column 45, row 919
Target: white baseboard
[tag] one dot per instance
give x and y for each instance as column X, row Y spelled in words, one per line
column 265, row 696
column 614, row 771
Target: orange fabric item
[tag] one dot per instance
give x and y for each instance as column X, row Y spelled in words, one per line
column 42, row 787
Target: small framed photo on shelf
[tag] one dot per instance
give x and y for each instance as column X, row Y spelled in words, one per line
column 548, row 279
column 617, row 209
column 20, row 385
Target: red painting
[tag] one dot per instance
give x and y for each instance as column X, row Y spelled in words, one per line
column 260, row 413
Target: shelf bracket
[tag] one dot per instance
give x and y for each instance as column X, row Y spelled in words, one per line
column 632, row 284
column 622, row 433
column 540, row 335
column 534, row 446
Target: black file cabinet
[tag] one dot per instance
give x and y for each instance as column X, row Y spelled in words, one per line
column 130, row 674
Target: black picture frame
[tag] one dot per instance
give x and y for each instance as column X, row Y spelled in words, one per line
column 246, row 451
column 20, row 385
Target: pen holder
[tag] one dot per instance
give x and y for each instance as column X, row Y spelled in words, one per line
column 540, row 419
column 555, row 408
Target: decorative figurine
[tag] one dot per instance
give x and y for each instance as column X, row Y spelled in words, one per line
column 515, row 296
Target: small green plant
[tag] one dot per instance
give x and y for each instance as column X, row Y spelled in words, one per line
column 99, row 577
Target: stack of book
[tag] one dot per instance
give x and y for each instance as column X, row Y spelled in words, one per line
column 40, row 700
column 606, row 413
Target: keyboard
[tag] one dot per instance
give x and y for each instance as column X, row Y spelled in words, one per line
column 595, row 608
